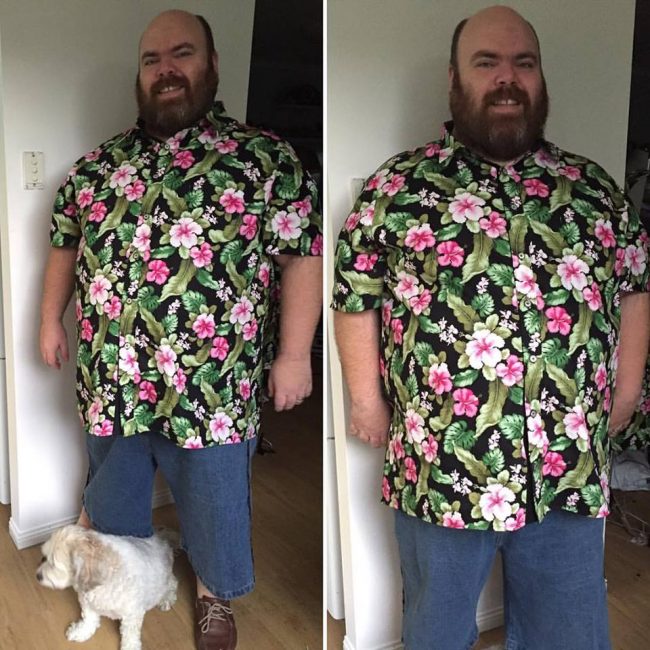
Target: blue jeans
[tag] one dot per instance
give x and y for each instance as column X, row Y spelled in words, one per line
column 211, row 488
column 554, row 587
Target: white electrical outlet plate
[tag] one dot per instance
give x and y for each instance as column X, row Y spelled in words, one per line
column 356, row 185
column 33, row 170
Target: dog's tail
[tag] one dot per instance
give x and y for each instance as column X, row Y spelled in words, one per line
column 171, row 536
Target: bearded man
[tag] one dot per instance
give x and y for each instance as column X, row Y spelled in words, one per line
column 501, row 280
column 171, row 232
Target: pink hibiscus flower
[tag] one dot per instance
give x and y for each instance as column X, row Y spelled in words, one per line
column 104, row 428
column 494, row 225
column 397, row 329
column 495, row 502
column 179, row 380
column 220, row 348
column 184, row 233
column 183, row 159
column 430, row 449
column 365, row 262
column 466, row 206
column 558, row 320
column 203, row 326
column 511, row 372
column 465, row 402
column 317, row 246
column 86, row 330
column 605, row 233
column 420, row 237
column 394, row 185
column 453, row 520
column 147, row 392
column 157, row 271
column 226, row 146
column 97, row 212
column 201, row 256
column 411, row 473
column 303, row 207
column 249, row 330
column 535, row 187
column 113, row 309
column 286, row 225
column 85, row 197
column 439, row 378
column 592, row 297
column 554, row 465
column 450, row 254
column 233, row 201
column 420, row 302
column 249, row 227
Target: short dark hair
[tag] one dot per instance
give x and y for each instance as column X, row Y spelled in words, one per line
column 209, row 40
column 453, row 56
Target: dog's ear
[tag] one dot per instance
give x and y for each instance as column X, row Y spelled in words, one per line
column 92, row 561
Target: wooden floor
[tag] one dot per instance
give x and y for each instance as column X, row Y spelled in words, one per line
column 284, row 612
column 627, row 567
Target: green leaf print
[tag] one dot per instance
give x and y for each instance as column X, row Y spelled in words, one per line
column 501, row 274
column 396, row 221
column 490, row 412
column 177, row 284
column 213, row 400
column 474, row 466
column 557, row 297
column 563, row 382
column 232, row 252
column 576, row 478
column 147, row 298
column 512, row 426
column 479, row 259
column 203, row 166
column 458, row 435
column 165, row 406
column 465, row 378
column 170, row 323
column 143, row 417
column 181, row 426
column 219, row 178
column 554, row 240
column 422, row 351
column 466, row 316
column 448, row 185
column 561, row 195
column 206, row 279
column 594, row 350
column 518, row 230
column 176, row 204
column 592, row 495
column 422, row 487
column 483, row 304
column 353, row 303
column 580, row 333
column 153, row 326
column 494, row 460
column 193, row 301
column 533, row 378
column 555, row 353
column 109, row 353
column 113, row 219
column 363, row 284
column 571, row 233
column 100, row 335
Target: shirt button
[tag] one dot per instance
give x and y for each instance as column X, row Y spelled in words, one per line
column 135, row 256
column 521, row 256
column 127, row 346
column 533, row 414
column 533, row 358
column 527, row 303
column 129, row 301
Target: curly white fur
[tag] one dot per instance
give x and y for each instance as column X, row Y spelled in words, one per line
column 118, row 577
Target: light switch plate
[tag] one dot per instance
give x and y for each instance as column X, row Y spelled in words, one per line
column 33, row 170
column 356, row 185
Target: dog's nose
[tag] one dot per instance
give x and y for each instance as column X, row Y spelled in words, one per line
column 39, row 575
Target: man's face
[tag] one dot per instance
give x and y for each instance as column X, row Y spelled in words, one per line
column 498, row 97
column 177, row 78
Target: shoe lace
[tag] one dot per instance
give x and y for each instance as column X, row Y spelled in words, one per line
column 216, row 612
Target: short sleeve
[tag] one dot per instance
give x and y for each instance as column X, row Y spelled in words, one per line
column 65, row 229
column 292, row 221
column 632, row 251
column 360, row 260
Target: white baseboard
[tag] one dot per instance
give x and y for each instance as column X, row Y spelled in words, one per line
column 394, row 645
column 485, row 621
column 37, row 535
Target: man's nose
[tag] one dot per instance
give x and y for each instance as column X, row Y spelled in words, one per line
column 506, row 74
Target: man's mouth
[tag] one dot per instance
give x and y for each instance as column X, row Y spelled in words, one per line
column 505, row 102
column 169, row 89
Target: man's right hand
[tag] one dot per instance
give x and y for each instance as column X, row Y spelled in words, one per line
column 54, row 343
column 370, row 421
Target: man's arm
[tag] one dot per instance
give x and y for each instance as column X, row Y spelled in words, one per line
column 633, row 355
column 58, row 285
column 301, row 298
column 357, row 338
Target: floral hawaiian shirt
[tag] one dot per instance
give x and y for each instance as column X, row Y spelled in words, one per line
column 175, row 245
column 499, row 290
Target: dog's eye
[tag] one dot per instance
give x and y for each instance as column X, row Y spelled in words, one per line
column 43, row 558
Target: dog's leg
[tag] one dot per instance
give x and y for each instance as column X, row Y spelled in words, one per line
column 169, row 598
column 85, row 627
column 131, row 631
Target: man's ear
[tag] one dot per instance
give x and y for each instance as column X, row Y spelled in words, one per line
column 450, row 77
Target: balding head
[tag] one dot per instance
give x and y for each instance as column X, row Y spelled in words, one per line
column 177, row 77
column 497, row 91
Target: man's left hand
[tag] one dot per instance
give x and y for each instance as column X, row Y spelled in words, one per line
column 290, row 381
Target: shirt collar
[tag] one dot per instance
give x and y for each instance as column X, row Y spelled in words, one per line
column 213, row 117
column 542, row 150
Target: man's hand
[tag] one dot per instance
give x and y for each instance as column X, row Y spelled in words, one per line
column 370, row 420
column 290, row 381
column 54, row 343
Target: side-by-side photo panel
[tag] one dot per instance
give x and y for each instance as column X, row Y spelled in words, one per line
column 161, row 421
column 487, row 467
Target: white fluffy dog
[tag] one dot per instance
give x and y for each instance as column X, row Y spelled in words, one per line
column 118, row 577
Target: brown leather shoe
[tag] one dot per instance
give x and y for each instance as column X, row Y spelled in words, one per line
column 214, row 624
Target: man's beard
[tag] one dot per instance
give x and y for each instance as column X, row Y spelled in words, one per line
column 499, row 138
column 165, row 118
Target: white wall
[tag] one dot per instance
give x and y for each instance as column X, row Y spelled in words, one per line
column 68, row 71
column 387, row 92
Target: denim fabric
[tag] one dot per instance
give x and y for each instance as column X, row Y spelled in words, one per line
column 211, row 488
column 554, row 587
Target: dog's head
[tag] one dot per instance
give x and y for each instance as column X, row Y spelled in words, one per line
column 74, row 557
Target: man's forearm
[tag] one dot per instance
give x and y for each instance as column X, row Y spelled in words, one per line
column 58, row 282
column 301, row 301
column 357, row 338
column 633, row 355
